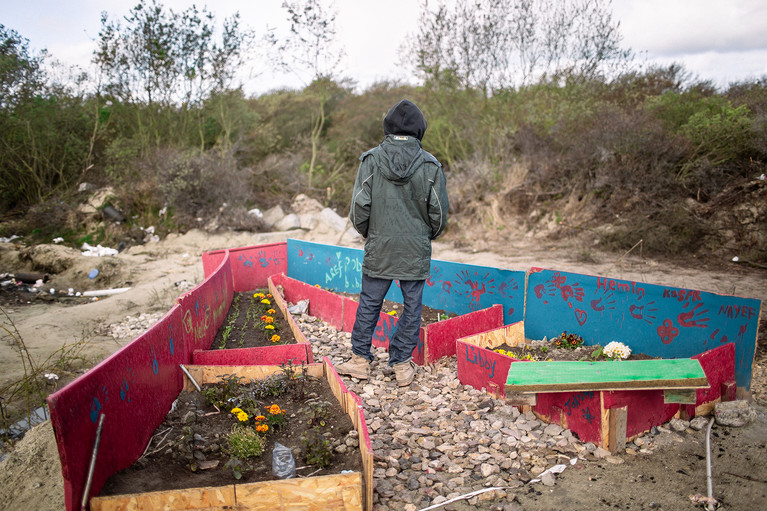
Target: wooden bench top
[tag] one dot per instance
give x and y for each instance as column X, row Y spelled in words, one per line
column 682, row 373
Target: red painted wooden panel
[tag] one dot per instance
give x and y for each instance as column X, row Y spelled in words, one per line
column 645, row 408
column 205, row 307
column 482, row 368
column 251, row 266
column 441, row 336
column 323, row 304
column 264, row 355
column 134, row 389
column 350, row 314
column 212, row 260
column 719, row 366
column 582, row 412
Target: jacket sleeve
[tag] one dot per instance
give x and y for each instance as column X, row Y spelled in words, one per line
column 362, row 197
column 438, row 203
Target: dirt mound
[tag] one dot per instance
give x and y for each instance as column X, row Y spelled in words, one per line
column 30, row 477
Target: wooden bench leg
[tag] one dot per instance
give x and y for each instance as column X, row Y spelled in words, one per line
column 616, row 439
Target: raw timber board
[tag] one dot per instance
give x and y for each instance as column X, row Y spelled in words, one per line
column 584, row 376
column 340, row 492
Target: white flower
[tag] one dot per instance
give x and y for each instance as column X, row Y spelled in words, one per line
column 617, row 350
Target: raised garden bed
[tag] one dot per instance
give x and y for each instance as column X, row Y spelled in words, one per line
column 191, row 459
column 257, row 330
column 436, row 339
column 602, row 402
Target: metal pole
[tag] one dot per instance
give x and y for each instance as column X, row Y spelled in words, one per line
column 84, row 503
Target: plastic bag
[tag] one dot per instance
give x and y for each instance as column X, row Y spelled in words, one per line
column 283, row 464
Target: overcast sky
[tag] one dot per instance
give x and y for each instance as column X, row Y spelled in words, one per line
column 720, row 40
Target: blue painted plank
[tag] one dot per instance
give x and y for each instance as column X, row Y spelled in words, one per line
column 657, row 320
column 455, row 287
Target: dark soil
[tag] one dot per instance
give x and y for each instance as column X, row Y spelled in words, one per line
column 546, row 352
column 193, row 437
column 245, row 324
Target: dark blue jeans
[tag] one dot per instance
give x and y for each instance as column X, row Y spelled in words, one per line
column 404, row 339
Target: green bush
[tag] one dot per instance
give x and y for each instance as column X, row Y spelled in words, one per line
column 243, row 442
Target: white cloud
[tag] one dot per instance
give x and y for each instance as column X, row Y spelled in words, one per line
column 683, row 27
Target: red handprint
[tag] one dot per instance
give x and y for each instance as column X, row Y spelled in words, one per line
column 691, row 319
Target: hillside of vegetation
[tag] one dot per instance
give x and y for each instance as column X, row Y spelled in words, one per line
column 649, row 161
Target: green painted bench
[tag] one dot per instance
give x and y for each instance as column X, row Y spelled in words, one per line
column 678, row 378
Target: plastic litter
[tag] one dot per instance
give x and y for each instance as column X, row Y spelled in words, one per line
column 8, row 240
column 93, row 273
column 299, row 308
column 97, row 251
column 283, row 464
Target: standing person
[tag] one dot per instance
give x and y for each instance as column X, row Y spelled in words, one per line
column 399, row 205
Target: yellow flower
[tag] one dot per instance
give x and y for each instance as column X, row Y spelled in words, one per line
column 275, row 338
column 242, row 416
column 269, row 327
column 236, row 410
column 266, row 302
column 258, row 295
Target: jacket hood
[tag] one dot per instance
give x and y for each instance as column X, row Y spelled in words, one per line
column 405, row 118
column 402, row 156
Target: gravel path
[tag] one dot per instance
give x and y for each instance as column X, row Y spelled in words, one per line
column 437, row 439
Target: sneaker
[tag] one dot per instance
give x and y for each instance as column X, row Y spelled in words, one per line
column 405, row 373
column 357, row 367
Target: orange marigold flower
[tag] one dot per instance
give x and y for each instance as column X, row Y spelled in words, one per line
column 271, row 311
column 260, row 418
column 263, row 318
column 269, row 319
column 275, row 409
column 275, row 338
column 262, row 428
column 269, row 295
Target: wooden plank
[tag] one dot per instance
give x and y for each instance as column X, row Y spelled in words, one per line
column 521, row 399
column 191, row 498
column 616, row 438
column 513, row 335
column 341, row 492
column 627, row 375
column 213, row 374
column 681, row 396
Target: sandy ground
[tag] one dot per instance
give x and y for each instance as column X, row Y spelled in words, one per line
column 157, row 273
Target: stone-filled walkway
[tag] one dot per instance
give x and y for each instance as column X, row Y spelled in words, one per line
column 438, row 439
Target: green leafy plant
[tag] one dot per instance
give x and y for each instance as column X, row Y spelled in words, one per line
column 318, row 449
column 568, row 341
column 224, row 393
column 296, row 378
column 319, row 412
column 243, row 442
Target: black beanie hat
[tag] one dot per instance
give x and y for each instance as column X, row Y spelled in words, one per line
column 405, row 118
